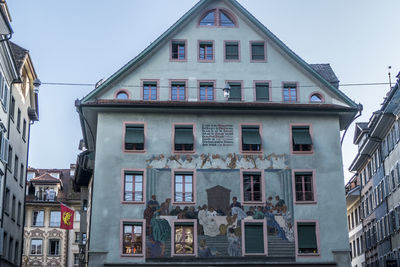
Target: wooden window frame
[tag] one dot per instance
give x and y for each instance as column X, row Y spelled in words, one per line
column 199, row 82
column 30, row 247
column 173, row 138
column 243, row 125
column 178, row 42
column 121, row 237
column 176, row 172
column 227, row 42
column 262, row 187
column 268, row 82
column 241, row 89
column 206, row 43
column 175, row 222
column 124, row 126
column 127, row 171
column 148, row 81
column 171, row 83
column 310, row 129
column 288, row 85
column 265, row 237
column 317, row 236
column 254, row 42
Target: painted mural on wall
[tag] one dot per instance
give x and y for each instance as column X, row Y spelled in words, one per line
column 217, row 161
column 219, row 224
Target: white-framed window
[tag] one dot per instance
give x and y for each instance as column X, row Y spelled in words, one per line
column 54, row 247
column 36, row 246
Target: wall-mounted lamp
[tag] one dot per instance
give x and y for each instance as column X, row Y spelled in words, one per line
column 227, row 91
column 36, row 84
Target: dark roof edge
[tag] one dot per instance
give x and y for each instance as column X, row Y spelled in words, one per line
column 222, row 106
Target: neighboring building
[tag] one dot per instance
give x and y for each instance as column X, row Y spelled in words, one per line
column 19, row 102
column 354, row 222
column 45, row 244
column 377, row 168
column 184, row 171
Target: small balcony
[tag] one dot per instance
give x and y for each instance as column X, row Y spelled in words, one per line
column 50, row 197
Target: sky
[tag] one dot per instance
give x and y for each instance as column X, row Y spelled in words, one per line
column 84, row 41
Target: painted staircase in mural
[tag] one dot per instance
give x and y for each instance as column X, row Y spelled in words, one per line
column 277, row 247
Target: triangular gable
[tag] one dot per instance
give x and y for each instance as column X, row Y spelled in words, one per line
column 197, row 8
column 360, row 128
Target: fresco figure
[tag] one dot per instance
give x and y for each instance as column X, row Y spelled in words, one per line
column 234, row 246
column 204, row 251
column 153, row 203
column 251, row 211
column 175, row 211
column 240, row 214
column 160, row 230
column 154, row 248
column 289, row 232
column 236, row 203
column 210, row 226
column 164, row 209
column 268, row 204
column 259, row 214
column 211, row 212
column 280, row 205
column 148, row 215
column 191, row 213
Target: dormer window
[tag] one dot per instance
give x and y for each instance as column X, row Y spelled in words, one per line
column 217, row 17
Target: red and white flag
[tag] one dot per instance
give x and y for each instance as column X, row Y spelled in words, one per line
column 67, row 217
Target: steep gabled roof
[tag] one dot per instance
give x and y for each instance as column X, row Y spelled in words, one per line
column 326, row 71
column 198, row 7
column 19, row 54
column 45, row 178
column 361, row 127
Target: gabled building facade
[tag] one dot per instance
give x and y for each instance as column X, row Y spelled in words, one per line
column 354, row 221
column 45, row 243
column 19, row 101
column 216, row 144
column 377, row 167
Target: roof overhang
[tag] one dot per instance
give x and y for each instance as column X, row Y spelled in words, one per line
column 358, row 162
column 353, row 196
column 5, row 27
column 382, row 126
column 84, row 168
column 88, row 112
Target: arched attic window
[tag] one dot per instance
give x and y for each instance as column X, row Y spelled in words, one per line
column 209, row 19
column 225, row 20
column 316, row 98
column 217, row 17
column 121, row 94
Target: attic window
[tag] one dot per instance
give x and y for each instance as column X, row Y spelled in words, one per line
column 225, row 20
column 217, row 17
column 208, row 19
column 121, row 95
column 316, row 98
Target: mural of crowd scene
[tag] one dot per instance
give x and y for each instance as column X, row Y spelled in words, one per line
column 214, row 228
